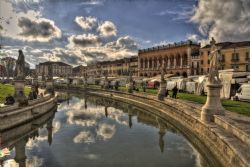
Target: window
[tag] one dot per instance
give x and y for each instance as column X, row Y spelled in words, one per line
column 247, row 56
column 201, row 53
column 201, row 61
column 248, row 68
column 208, row 61
column 223, row 58
column 235, row 56
column 208, row 53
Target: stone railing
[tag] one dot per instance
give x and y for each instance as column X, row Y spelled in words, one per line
column 12, row 116
column 229, row 149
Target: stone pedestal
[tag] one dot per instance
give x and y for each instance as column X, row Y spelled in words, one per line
column 213, row 104
column 130, row 87
column 162, row 90
column 50, row 87
column 19, row 93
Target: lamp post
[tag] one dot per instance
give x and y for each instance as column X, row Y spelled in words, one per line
column 213, row 104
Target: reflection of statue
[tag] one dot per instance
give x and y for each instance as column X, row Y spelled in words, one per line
column 214, row 63
column 50, row 130
column 20, row 66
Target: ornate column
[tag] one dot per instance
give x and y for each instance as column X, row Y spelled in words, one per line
column 213, row 104
column 169, row 61
column 158, row 63
column 174, row 61
column 148, row 63
column 181, row 61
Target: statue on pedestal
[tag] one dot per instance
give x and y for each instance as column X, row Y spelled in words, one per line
column 20, row 80
column 20, row 66
column 214, row 58
column 213, row 104
column 162, row 90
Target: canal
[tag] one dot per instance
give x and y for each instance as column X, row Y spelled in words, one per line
column 93, row 131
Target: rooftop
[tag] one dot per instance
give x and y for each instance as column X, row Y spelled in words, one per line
column 54, row 62
column 228, row 45
column 174, row 45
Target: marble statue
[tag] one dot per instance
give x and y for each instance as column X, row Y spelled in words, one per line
column 20, row 66
column 214, row 58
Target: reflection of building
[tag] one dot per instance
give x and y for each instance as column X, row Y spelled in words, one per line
column 235, row 55
column 58, row 68
column 113, row 68
column 176, row 57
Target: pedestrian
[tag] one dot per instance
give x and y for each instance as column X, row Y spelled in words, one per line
column 175, row 90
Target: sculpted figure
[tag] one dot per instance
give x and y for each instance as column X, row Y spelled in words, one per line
column 214, row 58
column 20, row 66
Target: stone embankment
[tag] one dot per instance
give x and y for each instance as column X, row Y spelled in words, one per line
column 12, row 116
column 226, row 139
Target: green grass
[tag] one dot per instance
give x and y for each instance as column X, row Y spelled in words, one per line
column 6, row 89
column 234, row 106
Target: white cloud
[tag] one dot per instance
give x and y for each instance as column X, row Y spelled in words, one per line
column 225, row 20
column 193, row 37
column 106, row 131
column 26, row 26
column 83, row 41
column 42, row 30
column 84, row 137
column 107, row 29
column 86, row 23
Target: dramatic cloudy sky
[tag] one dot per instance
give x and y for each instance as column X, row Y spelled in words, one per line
column 82, row 31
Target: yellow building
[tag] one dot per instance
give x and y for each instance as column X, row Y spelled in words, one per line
column 177, row 59
column 234, row 55
column 113, row 68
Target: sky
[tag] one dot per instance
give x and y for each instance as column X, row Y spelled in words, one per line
column 79, row 32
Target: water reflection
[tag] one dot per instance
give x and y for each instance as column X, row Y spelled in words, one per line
column 18, row 138
column 98, row 132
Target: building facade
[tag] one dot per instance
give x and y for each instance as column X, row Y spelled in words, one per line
column 79, row 71
column 177, row 59
column 59, row 69
column 234, row 55
column 114, row 68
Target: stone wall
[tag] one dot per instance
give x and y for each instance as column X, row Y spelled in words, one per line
column 214, row 140
column 14, row 115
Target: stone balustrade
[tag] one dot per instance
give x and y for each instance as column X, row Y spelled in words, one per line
column 12, row 116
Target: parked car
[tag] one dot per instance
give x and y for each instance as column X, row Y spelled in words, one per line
column 243, row 93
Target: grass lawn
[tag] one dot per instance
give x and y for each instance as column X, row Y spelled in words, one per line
column 6, row 89
column 234, row 106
